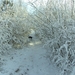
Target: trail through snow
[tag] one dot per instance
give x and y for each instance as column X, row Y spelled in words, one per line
column 30, row 60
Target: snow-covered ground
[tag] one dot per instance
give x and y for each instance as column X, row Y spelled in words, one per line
column 73, row 72
column 30, row 60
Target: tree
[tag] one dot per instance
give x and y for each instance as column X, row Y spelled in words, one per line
column 6, row 4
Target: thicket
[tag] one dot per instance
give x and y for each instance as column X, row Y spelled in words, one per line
column 54, row 25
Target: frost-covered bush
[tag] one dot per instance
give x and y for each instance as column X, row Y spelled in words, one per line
column 61, row 49
column 5, row 35
column 16, row 26
column 56, row 30
column 14, row 29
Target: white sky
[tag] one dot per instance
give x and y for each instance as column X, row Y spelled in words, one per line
column 28, row 0
column 37, row 3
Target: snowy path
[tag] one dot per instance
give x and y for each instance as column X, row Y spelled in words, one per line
column 28, row 61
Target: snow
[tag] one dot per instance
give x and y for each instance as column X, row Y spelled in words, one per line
column 30, row 60
column 73, row 72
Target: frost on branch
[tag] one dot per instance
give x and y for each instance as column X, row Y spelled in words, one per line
column 61, row 42
column 14, row 29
